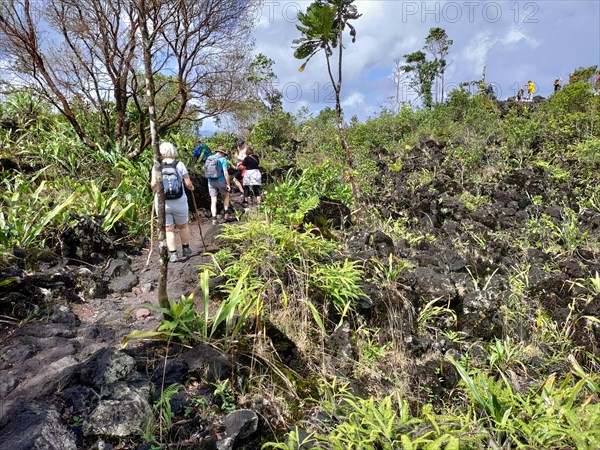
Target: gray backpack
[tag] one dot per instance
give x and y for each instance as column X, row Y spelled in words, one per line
column 213, row 168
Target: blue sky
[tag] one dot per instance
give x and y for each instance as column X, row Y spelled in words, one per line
column 517, row 41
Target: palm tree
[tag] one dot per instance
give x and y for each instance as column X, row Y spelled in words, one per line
column 322, row 28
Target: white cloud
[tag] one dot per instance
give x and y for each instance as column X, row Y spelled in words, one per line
column 354, row 100
column 530, row 40
column 516, row 35
column 475, row 53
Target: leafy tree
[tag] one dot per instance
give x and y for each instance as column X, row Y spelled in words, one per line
column 438, row 44
column 87, row 52
column 424, row 71
column 583, row 74
column 423, row 74
column 322, row 28
column 259, row 97
column 263, row 79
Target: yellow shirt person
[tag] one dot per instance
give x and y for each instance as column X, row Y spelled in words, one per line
column 530, row 89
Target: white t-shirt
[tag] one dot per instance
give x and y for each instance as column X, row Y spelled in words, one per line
column 240, row 156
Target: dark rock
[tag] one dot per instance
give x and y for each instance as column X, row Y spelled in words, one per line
column 123, row 414
column 286, row 349
column 7, row 383
column 358, row 241
column 239, row 426
column 450, row 261
column 451, row 227
column 543, row 283
column 204, row 360
column 329, row 213
column 116, row 268
column 572, row 268
column 480, row 314
column 85, row 241
column 174, row 372
column 430, row 284
column 124, row 284
column 463, row 283
column 536, row 257
column 34, row 426
column 340, row 352
column 47, row 330
column 485, row 216
column 14, row 354
column 179, row 402
column 554, row 211
column 62, row 314
column 382, row 243
column 81, row 399
column 89, row 285
column 105, row 367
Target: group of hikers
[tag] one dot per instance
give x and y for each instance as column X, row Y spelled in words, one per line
column 247, row 179
column 530, row 86
column 530, row 91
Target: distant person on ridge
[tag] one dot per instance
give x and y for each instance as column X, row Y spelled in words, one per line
column 175, row 175
column 218, row 181
column 557, row 84
column 530, row 89
column 520, row 94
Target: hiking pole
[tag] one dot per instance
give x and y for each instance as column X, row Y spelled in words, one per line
column 198, row 219
column 151, row 234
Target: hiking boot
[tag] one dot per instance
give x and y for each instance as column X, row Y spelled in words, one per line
column 186, row 252
column 174, row 257
column 215, row 221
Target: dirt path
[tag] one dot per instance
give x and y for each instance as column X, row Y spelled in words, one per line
column 36, row 357
column 124, row 312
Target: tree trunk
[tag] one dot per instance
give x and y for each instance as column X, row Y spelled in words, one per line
column 337, row 87
column 163, row 260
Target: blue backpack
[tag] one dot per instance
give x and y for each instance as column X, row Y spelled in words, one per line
column 172, row 181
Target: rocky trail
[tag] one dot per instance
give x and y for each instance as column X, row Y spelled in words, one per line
column 67, row 364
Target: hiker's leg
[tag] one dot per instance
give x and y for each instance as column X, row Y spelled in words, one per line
column 237, row 176
column 170, row 233
column 257, row 194
column 184, row 234
column 226, row 201
column 213, row 206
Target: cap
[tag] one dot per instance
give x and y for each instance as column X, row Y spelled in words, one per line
column 221, row 149
column 240, row 142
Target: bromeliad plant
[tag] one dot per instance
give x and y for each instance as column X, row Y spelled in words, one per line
column 184, row 325
column 31, row 209
column 558, row 414
column 288, row 201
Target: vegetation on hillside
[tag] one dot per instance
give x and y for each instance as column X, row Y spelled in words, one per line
column 414, row 371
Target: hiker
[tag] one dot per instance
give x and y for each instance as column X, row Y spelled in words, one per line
column 252, row 176
column 557, row 84
column 238, row 176
column 176, row 204
column 489, row 90
column 201, row 152
column 520, row 94
column 530, row 89
column 218, row 181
